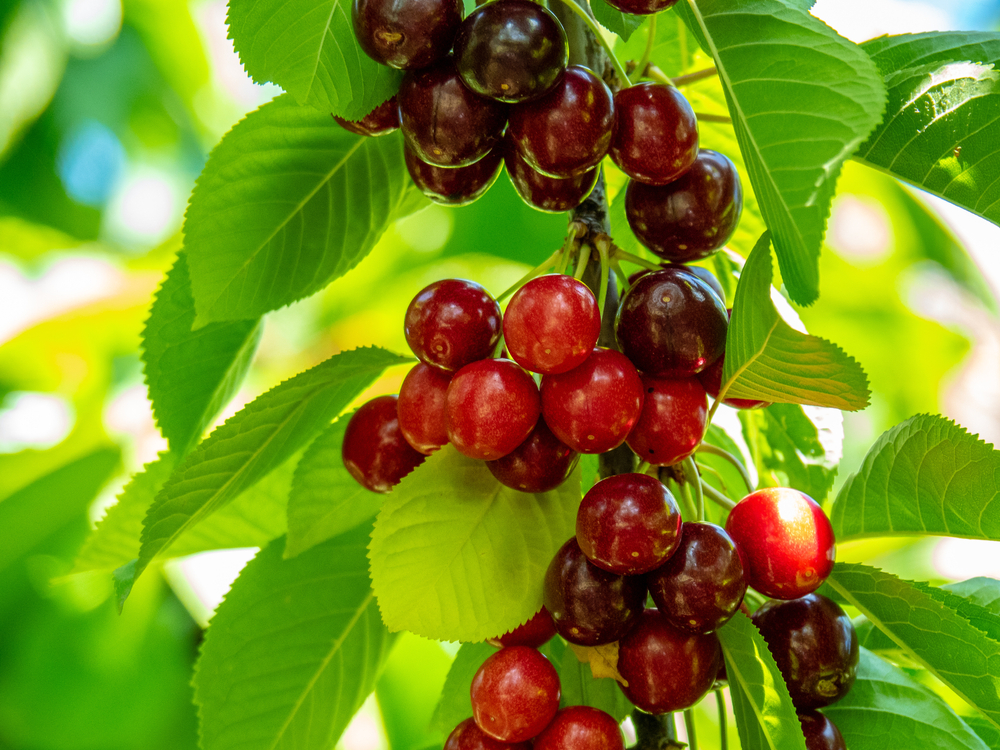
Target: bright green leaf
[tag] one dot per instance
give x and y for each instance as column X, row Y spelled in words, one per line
column 983, row 591
column 579, row 688
column 408, row 690
column 622, row 24
column 455, row 705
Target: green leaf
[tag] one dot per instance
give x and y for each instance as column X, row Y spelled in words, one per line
column 325, row 499
column 457, row 556
column 802, row 100
column 767, row 359
column 954, row 638
column 308, row 48
column 983, row 591
column 293, row 651
column 926, row 475
column 287, row 202
column 455, row 706
column 579, row 688
column 941, row 131
column 622, row 24
column 887, row 708
column 987, row 731
column 765, row 715
column 191, row 375
column 259, row 438
column 408, row 690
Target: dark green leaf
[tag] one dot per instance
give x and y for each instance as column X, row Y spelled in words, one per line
column 986, row 730
column 455, row 706
column 579, row 688
column 622, row 24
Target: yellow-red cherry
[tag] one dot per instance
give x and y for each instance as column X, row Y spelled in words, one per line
column 515, row 694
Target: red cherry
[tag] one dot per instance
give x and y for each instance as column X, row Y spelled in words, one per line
column 451, row 323
column 381, row 120
column 539, row 464
column 581, row 728
column 642, row 7
column 820, row 732
column 454, row 186
column 468, row 736
column 413, row 34
column 673, row 420
column 421, row 408
column 515, row 694
column 655, row 137
column 533, row 633
column 374, row 450
column 549, row 194
column 786, row 542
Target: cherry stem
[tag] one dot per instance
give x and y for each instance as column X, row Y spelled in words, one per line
column 689, row 725
column 690, row 512
column 706, row 469
column 692, row 478
column 622, row 278
column 603, row 244
column 654, row 732
column 536, row 271
column 640, row 67
column 620, row 255
column 715, row 451
column 596, row 31
column 642, row 468
column 581, row 262
column 720, row 702
column 717, row 497
column 698, row 75
column 723, row 119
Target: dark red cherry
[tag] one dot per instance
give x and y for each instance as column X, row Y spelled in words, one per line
column 814, row 645
column 593, row 407
column 451, row 323
column 445, row 123
column 666, row 669
column 568, row 131
column 785, row 539
column 692, row 217
column 539, row 464
column 406, row 33
column 381, row 120
column 491, row 406
column 468, row 736
column 454, row 186
column 511, row 50
column 655, row 136
column 551, row 324
column 820, row 732
column 701, row 586
column 374, row 450
column 642, row 7
column 671, row 324
column 421, row 408
column 515, row 694
column 673, row 420
column 581, row 728
column 628, row 524
column 535, row 632
column 590, row 606
column 702, row 273
column 549, row 194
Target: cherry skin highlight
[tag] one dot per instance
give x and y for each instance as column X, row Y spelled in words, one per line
column 535, row 632
column 381, row 120
column 454, row 186
column 581, row 728
column 451, row 323
column 421, row 408
column 374, row 450
column 410, row 34
column 468, row 736
column 515, row 694
column 786, row 542
column 672, row 422
column 549, row 194
column 655, row 136
column 820, row 732
column 539, row 464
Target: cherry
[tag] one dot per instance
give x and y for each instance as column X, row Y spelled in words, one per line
column 593, row 407
column 581, row 728
column 590, row 606
column 692, row 217
column 374, row 450
column 671, row 324
column 666, row 669
column 451, row 323
column 568, row 131
column 820, row 732
column 421, row 408
column 551, row 324
column 785, row 539
column 539, row 464
column 515, row 694
column 701, row 586
column 642, row 7
column 628, row 524
column 491, row 407
column 673, row 420
column 454, row 186
column 535, row 632
column 381, row 120
column 711, row 380
column 511, row 50
column 406, row 33
column 655, row 136
column 702, row 273
column 549, row 194
column 468, row 736
column 814, row 645
column 445, row 123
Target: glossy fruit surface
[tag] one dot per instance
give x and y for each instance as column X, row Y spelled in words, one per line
column 628, row 524
column 820, row 732
column 549, row 194
column 581, row 728
column 491, row 408
column 451, row 323
column 406, row 33
column 785, row 539
column 655, row 136
column 672, row 422
column 590, row 606
column 814, row 645
column 702, row 273
column 671, row 324
column 468, row 736
column 374, row 450
column 533, row 633
column 593, row 407
column 701, row 586
column 551, row 324
column 511, row 50
column 445, row 123
column 515, row 694
column 693, row 216
column 666, row 669
column 454, row 186
column 568, row 131
column 642, row 7
column 421, row 408
column 381, row 120
column 539, row 464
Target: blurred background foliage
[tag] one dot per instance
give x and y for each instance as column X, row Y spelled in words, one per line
column 108, row 109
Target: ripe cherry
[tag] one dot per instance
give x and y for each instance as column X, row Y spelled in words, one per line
column 421, row 408
column 673, row 420
column 515, row 694
column 468, row 736
column 549, row 194
column 590, row 606
column 451, row 323
column 454, row 186
column 642, row 7
column 381, row 120
column 655, row 136
column 533, row 633
column 701, row 586
column 786, row 542
column 551, row 324
column 491, row 407
column 374, row 450
column 628, row 524
column 820, row 732
column 814, row 645
column 666, row 669
column 411, row 34
column 511, row 50
column 702, row 273
column 581, row 728
column 539, row 464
